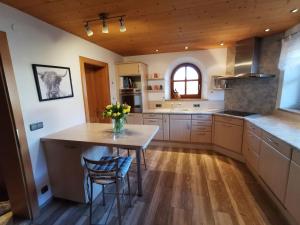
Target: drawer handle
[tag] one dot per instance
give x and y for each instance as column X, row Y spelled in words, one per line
column 153, row 121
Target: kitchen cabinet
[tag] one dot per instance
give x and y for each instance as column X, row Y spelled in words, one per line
column 180, row 128
column 252, row 150
column 134, row 118
column 228, row 133
column 166, row 124
column 126, row 69
column 155, row 119
column 201, row 129
column 293, row 188
column 274, row 169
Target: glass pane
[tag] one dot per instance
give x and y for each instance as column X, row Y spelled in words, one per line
column 180, row 74
column 179, row 87
column 192, row 87
column 191, row 73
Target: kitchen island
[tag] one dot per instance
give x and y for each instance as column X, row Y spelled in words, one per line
column 64, row 151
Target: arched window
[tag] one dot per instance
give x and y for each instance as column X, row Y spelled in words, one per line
column 186, row 80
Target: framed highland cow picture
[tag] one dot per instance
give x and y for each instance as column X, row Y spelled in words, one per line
column 52, row 82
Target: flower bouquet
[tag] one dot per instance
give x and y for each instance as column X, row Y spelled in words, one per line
column 117, row 112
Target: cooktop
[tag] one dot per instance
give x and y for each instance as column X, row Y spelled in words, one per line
column 237, row 113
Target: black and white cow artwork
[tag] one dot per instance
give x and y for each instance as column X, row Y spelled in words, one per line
column 52, row 82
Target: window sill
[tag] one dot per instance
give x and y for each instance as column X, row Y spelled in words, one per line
column 294, row 111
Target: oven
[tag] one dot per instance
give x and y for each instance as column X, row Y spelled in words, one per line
column 132, row 97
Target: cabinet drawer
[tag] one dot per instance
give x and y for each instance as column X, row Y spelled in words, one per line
column 202, row 122
column 160, row 134
column 200, row 137
column 202, row 117
column 253, row 142
column 296, row 156
column 279, row 145
column 201, row 128
column 226, row 119
column 274, row 170
column 252, row 159
column 152, row 116
column 134, row 118
column 180, row 117
column 254, row 129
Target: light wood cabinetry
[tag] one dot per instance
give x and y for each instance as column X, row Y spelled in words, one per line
column 155, row 119
column 129, row 69
column 180, row 128
column 201, row 129
column 166, row 123
column 135, row 118
column 228, row 133
column 274, row 169
column 293, row 188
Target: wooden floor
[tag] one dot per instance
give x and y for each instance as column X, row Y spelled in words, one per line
column 181, row 187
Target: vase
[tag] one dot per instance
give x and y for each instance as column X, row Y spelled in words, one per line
column 118, row 125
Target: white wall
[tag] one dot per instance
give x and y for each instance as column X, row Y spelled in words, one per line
column 33, row 41
column 210, row 62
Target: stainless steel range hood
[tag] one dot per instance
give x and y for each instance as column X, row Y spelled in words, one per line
column 247, row 60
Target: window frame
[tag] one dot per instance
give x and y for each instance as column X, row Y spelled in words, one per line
column 194, row 96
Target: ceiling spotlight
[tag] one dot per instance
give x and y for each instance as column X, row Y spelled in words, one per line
column 222, row 43
column 157, row 50
column 88, row 30
column 294, row 10
column 104, row 27
column 122, row 25
column 186, row 47
column 267, row 30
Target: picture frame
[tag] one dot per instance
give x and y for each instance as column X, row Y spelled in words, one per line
column 52, row 82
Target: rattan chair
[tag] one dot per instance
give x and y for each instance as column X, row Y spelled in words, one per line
column 108, row 170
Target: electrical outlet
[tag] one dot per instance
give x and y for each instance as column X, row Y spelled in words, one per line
column 158, row 105
column 36, row 126
column 44, row 189
column 196, row 105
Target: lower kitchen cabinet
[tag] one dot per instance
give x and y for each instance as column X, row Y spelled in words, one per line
column 135, row 118
column 166, row 123
column 180, row 130
column 293, row 191
column 228, row 136
column 274, row 169
column 252, row 149
column 160, row 134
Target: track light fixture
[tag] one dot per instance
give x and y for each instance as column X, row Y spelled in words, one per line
column 103, row 17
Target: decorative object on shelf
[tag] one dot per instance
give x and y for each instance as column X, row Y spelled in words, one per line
column 217, row 84
column 176, row 94
column 155, row 75
column 117, row 112
column 103, row 17
column 149, row 87
column 161, row 87
column 52, row 82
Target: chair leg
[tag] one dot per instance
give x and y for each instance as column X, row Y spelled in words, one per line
column 144, row 159
column 118, row 202
column 128, row 152
column 91, row 203
column 118, row 151
column 129, row 190
column 103, row 195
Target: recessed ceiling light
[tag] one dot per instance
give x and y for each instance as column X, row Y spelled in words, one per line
column 186, row 47
column 267, row 30
column 222, row 43
column 294, row 10
column 157, row 50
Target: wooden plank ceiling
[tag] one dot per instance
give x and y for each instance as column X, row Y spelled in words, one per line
column 167, row 25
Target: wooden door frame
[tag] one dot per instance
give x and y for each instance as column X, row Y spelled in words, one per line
column 23, row 197
column 83, row 61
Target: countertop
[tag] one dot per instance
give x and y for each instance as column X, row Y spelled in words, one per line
column 133, row 137
column 182, row 111
column 285, row 129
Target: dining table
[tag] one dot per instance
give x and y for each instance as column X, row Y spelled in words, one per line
column 64, row 151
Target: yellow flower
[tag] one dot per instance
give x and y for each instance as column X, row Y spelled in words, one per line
column 109, row 113
column 115, row 115
column 108, row 106
column 118, row 113
column 124, row 110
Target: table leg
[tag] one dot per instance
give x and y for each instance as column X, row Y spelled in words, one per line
column 139, row 172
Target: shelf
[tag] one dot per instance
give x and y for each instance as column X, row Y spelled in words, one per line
column 152, row 79
column 155, row 91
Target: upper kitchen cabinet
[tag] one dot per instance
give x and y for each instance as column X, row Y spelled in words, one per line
column 131, row 69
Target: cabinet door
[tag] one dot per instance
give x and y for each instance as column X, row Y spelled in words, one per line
column 166, row 122
column 228, row 136
column 293, row 192
column 128, row 69
column 160, row 134
column 274, row 169
column 180, row 130
column 134, row 118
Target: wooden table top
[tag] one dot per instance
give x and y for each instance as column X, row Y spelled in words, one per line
column 133, row 137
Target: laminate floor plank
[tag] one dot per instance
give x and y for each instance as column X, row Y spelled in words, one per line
column 181, row 187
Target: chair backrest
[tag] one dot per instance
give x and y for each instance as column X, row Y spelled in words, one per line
column 102, row 169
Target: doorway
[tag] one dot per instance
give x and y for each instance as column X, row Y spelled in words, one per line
column 96, row 89
column 15, row 165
